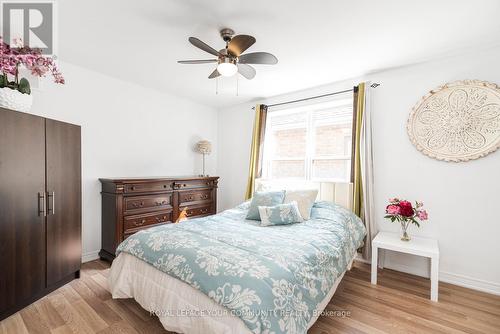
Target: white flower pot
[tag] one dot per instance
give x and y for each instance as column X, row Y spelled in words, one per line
column 15, row 100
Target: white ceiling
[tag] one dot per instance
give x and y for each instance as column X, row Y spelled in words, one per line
column 316, row 42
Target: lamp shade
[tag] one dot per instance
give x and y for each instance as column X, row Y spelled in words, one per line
column 204, row 147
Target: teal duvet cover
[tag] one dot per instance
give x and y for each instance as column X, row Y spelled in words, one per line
column 273, row 278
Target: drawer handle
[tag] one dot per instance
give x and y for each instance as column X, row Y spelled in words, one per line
column 161, row 219
column 177, row 185
column 204, row 196
column 161, row 203
column 136, row 205
column 189, row 213
column 204, row 210
column 142, row 222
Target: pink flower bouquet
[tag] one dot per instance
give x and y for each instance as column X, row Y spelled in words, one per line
column 11, row 58
column 405, row 213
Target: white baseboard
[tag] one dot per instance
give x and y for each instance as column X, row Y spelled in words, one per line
column 417, row 271
column 90, row 256
column 359, row 258
column 455, row 279
column 470, row 282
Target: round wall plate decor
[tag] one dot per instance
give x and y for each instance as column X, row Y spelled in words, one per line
column 458, row 121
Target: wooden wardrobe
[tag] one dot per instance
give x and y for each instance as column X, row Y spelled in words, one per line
column 40, row 207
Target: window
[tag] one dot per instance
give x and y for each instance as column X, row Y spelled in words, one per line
column 313, row 142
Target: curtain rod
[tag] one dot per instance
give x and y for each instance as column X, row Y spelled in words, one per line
column 373, row 85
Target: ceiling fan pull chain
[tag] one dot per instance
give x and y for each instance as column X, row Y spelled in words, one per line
column 216, row 86
column 237, row 85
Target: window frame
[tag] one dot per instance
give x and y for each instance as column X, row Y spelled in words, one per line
column 311, row 126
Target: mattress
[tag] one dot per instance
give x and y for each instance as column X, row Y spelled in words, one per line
column 180, row 307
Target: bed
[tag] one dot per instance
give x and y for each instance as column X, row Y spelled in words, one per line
column 225, row 274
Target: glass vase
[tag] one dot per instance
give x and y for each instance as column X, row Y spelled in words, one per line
column 404, row 231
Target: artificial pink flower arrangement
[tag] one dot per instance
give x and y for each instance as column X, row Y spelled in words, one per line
column 403, row 210
column 11, row 58
column 405, row 213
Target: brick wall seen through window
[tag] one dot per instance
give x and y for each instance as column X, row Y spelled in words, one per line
column 312, row 142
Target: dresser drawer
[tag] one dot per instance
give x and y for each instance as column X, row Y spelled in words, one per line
column 135, row 223
column 195, row 196
column 190, row 184
column 128, row 233
column 137, row 204
column 198, row 211
column 147, row 187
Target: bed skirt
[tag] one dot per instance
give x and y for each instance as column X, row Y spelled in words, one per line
column 180, row 307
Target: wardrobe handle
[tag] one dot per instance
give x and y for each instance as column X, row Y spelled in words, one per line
column 53, row 210
column 41, row 207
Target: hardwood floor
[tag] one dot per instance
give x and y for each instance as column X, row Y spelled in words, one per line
column 399, row 304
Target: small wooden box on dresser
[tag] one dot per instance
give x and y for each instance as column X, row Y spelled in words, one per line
column 132, row 204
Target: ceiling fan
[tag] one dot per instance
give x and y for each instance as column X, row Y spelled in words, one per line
column 231, row 59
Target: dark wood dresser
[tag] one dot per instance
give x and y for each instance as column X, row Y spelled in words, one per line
column 132, row 204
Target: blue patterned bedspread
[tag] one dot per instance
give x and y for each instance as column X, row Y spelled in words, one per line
column 273, row 278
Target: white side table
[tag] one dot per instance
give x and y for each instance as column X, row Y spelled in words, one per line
column 416, row 246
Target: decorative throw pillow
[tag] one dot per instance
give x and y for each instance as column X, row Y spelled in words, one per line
column 264, row 198
column 281, row 214
column 305, row 200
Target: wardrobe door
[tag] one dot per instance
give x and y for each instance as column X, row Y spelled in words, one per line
column 64, row 249
column 22, row 221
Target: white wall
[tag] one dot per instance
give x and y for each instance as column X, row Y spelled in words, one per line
column 462, row 198
column 127, row 130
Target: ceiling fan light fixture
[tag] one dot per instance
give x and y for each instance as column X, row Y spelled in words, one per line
column 227, row 67
column 232, row 59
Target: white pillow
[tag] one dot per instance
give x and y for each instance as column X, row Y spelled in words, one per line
column 305, row 200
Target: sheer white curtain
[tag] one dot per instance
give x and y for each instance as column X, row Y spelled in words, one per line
column 366, row 161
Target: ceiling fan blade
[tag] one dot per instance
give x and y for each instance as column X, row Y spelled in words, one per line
column 202, row 45
column 201, row 61
column 247, row 71
column 239, row 44
column 214, row 74
column 258, row 58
